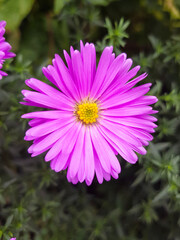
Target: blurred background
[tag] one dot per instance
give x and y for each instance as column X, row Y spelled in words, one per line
column 144, row 203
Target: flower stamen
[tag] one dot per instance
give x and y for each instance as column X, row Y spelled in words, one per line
column 87, row 112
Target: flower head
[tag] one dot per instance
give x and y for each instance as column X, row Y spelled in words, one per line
column 5, row 48
column 94, row 114
column 12, row 239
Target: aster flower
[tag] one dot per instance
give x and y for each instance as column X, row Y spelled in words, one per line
column 94, row 114
column 5, row 48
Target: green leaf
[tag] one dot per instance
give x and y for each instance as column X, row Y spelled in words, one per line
column 13, row 12
column 100, row 2
column 160, row 196
column 58, row 5
column 9, row 220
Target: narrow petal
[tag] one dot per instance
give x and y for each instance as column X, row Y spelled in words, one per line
column 78, row 72
column 37, row 121
column 61, row 161
column 51, row 138
column 48, row 114
column 89, row 157
column 149, row 118
column 81, row 171
column 121, row 146
column 76, row 155
column 145, row 100
column 46, row 101
column 69, row 137
column 127, row 111
column 132, row 83
column 89, row 65
column 106, row 176
column 120, row 131
column 117, row 85
column 58, row 80
column 98, row 169
column 132, row 121
column 101, row 70
column 47, row 74
column 66, row 77
column 126, row 97
column 104, row 151
column 114, row 68
column 48, row 90
column 48, row 127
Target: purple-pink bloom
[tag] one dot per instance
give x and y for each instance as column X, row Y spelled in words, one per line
column 94, row 114
column 5, row 48
column 12, row 239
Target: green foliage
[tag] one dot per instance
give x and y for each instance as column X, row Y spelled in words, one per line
column 115, row 35
column 144, row 203
column 10, row 8
column 58, row 5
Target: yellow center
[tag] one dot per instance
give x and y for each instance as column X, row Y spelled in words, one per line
column 87, row 112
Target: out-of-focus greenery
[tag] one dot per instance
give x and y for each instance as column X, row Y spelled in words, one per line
column 144, row 203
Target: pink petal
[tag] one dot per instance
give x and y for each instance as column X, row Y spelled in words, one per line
column 78, row 72
column 51, row 138
column 126, row 97
column 66, row 77
column 127, row 111
column 48, row 114
column 104, row 152
column 47, row 101
column 120, row 131
column 114, row 68
column 98, row 169
column 89, row 65
column 81, row 170
column 116, row 86
column 58, row 79
column 89, row 157
column 101, row 70
column 48, row 90
column 76, row 155
column 60, row 162
column 121, row 146
column 132, row 121
column 35, row 122
column 47, row 74
column 2, row 23
column 48, row 127
column 69, row 137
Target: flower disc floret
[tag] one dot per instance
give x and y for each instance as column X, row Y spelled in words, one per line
column 87, row 112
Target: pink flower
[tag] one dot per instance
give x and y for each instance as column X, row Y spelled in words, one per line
column 95, row 113
column 12, row 239
column 5, row 48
